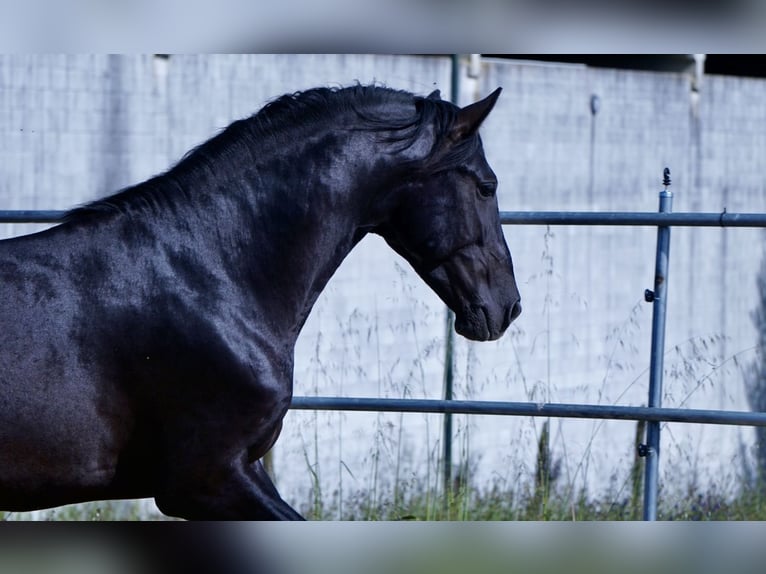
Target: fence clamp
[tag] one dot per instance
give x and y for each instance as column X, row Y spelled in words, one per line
column 643, row 450
column 648, row 295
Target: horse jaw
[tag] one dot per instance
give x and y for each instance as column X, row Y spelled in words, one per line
column 479, row 315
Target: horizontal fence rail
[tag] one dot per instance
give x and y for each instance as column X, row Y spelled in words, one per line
column 653, row 219
column 31, row 216
column 618, row 218
column 559, row 410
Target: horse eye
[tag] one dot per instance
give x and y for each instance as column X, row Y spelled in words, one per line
column 487, row 188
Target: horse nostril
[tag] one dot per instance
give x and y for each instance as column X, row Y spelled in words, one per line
column 510, row 314
column 515, row 310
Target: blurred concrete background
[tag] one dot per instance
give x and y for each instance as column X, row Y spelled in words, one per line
column 575, row 134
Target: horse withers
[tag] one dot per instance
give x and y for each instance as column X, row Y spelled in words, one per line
column 146, row 343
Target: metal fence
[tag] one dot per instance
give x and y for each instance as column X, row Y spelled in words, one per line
column 653, row 414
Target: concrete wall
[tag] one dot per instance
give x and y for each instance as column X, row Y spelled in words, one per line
column 73, row 128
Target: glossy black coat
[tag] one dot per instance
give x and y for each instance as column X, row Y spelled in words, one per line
column 146, row 344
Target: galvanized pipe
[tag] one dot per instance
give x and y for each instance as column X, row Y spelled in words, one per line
column 723, row 219
column 658, row 297
column 449, row 340
column 31, row 216
column 505, row 408
column 615, row 218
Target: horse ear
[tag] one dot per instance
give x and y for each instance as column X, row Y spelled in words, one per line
column 470, row 117
column 435, row 95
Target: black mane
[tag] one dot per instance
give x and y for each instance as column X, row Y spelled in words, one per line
column 400, row 118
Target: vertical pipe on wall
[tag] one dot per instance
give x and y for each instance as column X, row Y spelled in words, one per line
column 449, row 342
column 651, row 450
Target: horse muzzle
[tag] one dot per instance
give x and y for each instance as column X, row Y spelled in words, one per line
column 485, row 322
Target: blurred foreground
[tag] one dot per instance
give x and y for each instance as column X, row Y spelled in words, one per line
column 377, row 548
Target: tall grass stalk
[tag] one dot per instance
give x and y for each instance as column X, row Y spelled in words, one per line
column 377, row 439
column 421, row 377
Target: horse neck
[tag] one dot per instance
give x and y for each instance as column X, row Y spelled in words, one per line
column 286, row 220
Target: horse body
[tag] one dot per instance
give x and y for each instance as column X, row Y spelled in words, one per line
column 147, row 342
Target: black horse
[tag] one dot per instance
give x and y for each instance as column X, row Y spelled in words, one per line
column 146, row 343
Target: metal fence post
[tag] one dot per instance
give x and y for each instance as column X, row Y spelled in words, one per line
column 651, row 450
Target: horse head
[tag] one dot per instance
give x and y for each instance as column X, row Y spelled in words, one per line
column 443, row 219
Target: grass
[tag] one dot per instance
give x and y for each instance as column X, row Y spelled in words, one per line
column 419, row 501
column 105, row 510
column 504, row 502
column 544, row 492
column 544, row 498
